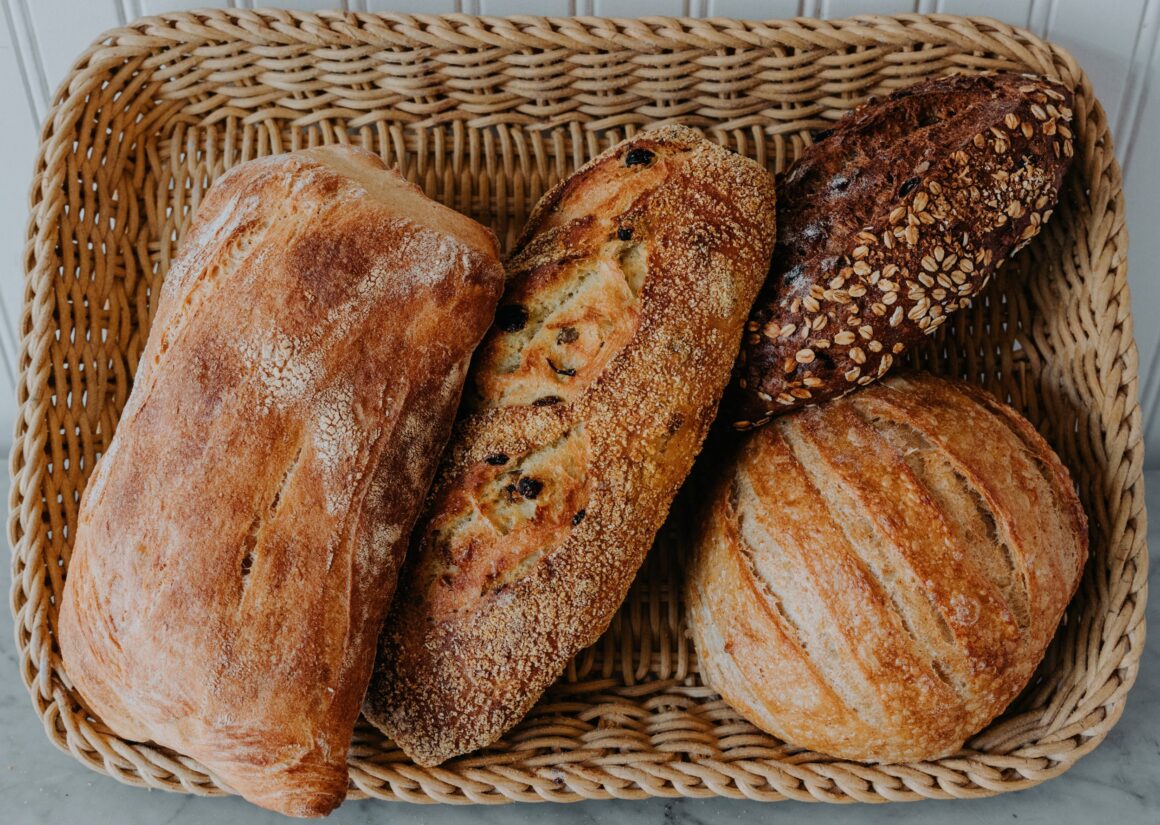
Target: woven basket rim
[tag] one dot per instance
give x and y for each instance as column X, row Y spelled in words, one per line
column 971, row 773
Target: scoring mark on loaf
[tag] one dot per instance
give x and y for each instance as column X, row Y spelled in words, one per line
column 491, row 527
column 881, row 560
column 276, row 499
column 964, row 505
column 252, row 541
column 970, row 628
column 249, row 546
column 558, row 330
column 214, row 221
column 789, row 592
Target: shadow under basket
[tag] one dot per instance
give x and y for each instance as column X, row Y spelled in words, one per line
column 485, row 114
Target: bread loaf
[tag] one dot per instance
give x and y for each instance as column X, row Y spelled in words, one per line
column 878, row 577
column 588, row 401
column 891, row 222
column 238, row 543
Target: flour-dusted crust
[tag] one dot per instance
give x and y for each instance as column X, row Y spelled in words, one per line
column 891, row 222
column 588, row 402
column 878, row 577
column 239, row 541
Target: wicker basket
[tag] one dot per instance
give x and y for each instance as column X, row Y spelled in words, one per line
column 485, row 114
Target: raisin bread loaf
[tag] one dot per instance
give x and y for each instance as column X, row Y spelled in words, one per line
column 588, row 402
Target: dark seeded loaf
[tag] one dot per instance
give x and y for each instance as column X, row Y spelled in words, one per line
column 892, row 221
column 589, row 399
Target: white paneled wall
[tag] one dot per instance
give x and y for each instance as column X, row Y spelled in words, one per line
column 1115, row 40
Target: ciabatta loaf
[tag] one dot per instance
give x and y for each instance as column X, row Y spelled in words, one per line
column 588, row 401
column 238, row 543
column 879, row 576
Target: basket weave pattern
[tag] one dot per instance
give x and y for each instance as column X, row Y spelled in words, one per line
column 486, row 114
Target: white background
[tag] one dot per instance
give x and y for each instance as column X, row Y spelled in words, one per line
column 1115, row 40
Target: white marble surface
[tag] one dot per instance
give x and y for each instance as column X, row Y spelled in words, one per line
column 1118, row 784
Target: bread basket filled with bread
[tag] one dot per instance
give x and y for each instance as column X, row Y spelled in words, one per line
column 457, row 409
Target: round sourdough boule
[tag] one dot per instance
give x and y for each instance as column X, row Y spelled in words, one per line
column 878, row 577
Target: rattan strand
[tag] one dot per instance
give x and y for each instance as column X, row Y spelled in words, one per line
column 486, row 114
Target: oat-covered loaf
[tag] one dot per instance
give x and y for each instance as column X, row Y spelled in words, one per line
column 890, row 222
column 878, row 577
column 588, row 401
column 238, row 543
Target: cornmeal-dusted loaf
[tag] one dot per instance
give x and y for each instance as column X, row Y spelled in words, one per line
column 891, row 222
column 589, row 400
column 878, row 577
column 239, row 541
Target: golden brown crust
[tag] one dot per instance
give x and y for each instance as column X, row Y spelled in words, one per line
column 633, row 281
column 895, row 219
column 238, row 543
column 878, row 577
